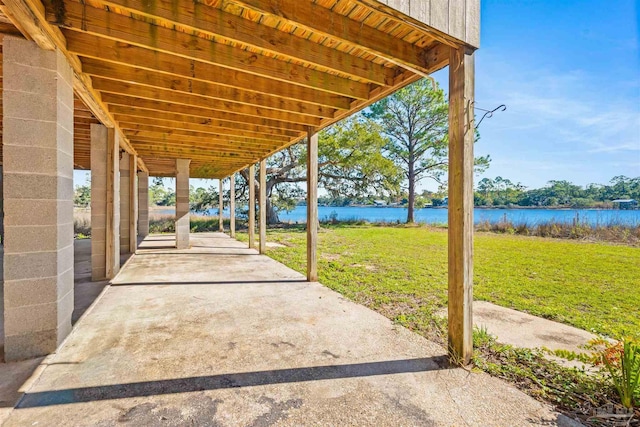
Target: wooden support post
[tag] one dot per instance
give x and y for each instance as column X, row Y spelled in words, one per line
column 461, row 139
column 252, row 206
column 312, row 206
column 232, row 205
column 263, row 206
column 133, row 203
column 220, row 208
column 112, row 256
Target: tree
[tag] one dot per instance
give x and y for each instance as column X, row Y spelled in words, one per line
column 82, row 195
column 415, row 119
column 201, row 200
column 350, row 163
column 159, row 195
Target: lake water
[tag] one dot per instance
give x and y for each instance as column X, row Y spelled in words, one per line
column 439, row 215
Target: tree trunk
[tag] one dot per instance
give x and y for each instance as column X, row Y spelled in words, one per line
column 412, row 192
column 272, row 214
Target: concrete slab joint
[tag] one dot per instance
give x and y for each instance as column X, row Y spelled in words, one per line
column 182, row 203
column 38, row 198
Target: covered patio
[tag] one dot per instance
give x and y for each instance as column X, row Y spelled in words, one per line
column 134, row 88
column 204, row 89
column 226, row 336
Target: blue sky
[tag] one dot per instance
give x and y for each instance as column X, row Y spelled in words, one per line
column 569, row 73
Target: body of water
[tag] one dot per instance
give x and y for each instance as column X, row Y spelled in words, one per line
column 439, row 215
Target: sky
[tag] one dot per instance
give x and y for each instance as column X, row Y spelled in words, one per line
column 569, row 73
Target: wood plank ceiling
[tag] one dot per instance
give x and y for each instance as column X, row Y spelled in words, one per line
column 228, row 82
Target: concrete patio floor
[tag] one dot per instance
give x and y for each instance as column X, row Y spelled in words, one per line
column 219, row 335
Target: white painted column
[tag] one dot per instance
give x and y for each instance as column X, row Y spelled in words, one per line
column 232, row 206
column 182, row 203
column 312, row 206
column 220, row 207
column 461, row 139
column 143, row 204
column 263, row 206
column 38, row 198
column 105, row 203
column 252, row 206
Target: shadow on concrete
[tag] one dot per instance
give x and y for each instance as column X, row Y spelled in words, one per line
column 222, row 282
column 226, row 381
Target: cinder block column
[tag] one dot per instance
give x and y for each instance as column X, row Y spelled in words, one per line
column 143, row 204
column 105, row 203
column 38, row 198
column 182, row 203
column 125, row 202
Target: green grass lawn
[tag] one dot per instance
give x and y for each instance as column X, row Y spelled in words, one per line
column 402, row 273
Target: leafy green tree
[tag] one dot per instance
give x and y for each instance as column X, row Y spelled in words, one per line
column 351, row 164
column 415, row 119
column 201, row 200
column 82, row 195
column 159, row 195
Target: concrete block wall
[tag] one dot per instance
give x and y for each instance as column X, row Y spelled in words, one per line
column 182, row 203
column 38, row 198
column 143, row 204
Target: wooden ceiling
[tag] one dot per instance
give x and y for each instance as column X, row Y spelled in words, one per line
column 228, row 82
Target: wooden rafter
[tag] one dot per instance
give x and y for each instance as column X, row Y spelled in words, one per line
column 321, row 20
column 303, row 115
column 218, row 24
column 105, row 70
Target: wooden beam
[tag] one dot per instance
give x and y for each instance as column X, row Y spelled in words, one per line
column 220, row 207
column 185, row 136
column 125, row 113
column 312, row 206
column 127, row 101
column 313, row 17
column 187, row 100
column 215, row 22
column 104, row 72
column 199, row 151
column 153, row 38
column 252, row 206
column 461, row 139
column 30, row 17
column 262, row 187
column 88, row 46
column 140, row 123
column 232, row 205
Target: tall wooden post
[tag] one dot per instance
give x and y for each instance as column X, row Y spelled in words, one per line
column 220, row 207
column 133, row 204
column 461, row 139
column 312, row 205
column 252, row 206
column 232, row 205
column 263, row 206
